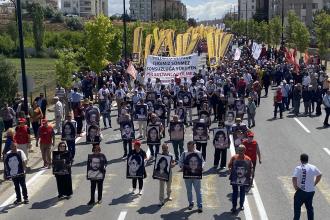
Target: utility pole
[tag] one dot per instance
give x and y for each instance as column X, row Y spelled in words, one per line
column 282, row 22
column 165, row 17
column 21, row 52
column 246, row 20
column 125, row 32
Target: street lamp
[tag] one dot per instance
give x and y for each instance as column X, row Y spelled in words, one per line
column 282, row 41
column 125, row 31
column 21, row 52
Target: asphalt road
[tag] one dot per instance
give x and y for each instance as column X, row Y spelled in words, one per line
column 281, row 142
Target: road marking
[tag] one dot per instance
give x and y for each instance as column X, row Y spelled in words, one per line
column 302, row 125
column 289, row 191
column 29, row 183
column 326, row 150
column 122, row 215
column 209, row 192
column 247, row 210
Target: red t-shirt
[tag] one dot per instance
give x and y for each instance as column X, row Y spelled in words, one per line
column 251, row 149
column 46, row 134
column 22, row 134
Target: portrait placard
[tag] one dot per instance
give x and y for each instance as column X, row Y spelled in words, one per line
column 200, row 131
column 230, row 118
column 93, row 134
column 141, row 113
column 136, row 57
column 92, row 115
column 166, row 100
column 151, row 96
column 176, row 131
column 153, row 136
column 239, row 106
column 13, row 165
column 241, row 173
column 162, row 167
column 181, row 112
column 95, row 167
column 238, row 136
column 61, row 162
column 221, row 138
column 160, row 111
column 68, row 131
column 135, row 166
column 187, row 100
column 192, row 166
column 204, row 114
column 150, row 105
column 127, row 130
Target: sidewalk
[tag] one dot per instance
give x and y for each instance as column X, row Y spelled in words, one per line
column 34, row 157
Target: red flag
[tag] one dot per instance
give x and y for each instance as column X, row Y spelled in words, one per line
column 131, row 70
column 306, row 57
column 290, row 58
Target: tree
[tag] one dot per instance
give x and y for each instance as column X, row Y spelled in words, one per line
column 98, row 38
column 192, row 22
column 38, row 26
column 301, row 37
column 289, row 29
column 275, row 30
column 8, row 81
column 116, row 46
column 322, row 27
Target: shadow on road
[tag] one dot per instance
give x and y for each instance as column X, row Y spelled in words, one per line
column 151, row 209
column 114, row 141
column 127, row 198
column 79, row 210
column 117, row 160
column 81, row 164
column 227, row 216
column 45, row 204
column 179, row 214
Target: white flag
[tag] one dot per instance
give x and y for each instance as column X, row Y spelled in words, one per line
column 256, row 50
column 237, row 55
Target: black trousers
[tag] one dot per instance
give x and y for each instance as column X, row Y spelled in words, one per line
column 129, row 143
column 99, row 184
column 79, row 124
column 19, row 182
column 134, row 181
column 202, row 147
column 35, row 127
column 301, row 197
column 8, row 124
column 326, row 119
column 220, row 154
column 64, row 185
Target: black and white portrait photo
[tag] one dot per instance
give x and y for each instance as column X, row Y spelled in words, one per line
column 166, row 100
column 187, row 99
column 153, row 136
column 162, row 168
column 95, row 167
column 151, row 96
column 176, row 131
column 61, row 162
column 239, row 106
column 93, row 134
column 193, row 166
column 200, row 131
column 181, row 112
column 220, row 138
column 136, row 57
column 238, row 136
column 68, row 131
column 241, row 173
column 160, row 111
column 127, row 130
column 135, row 166
column 13, row 165
column 230, row 118
column 150, row 105
column 141, row 113
column 92, row 116
column 203, row 114
column 213, row 61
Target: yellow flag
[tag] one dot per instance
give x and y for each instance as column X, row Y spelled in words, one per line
column 193, row 44
column 147, row 47
column 137, row 45
column 162, row 36
column 185, row 42
column 211, row 48
column 179, row 45
column 169, row 42
column 224, row 44
column 156, row 34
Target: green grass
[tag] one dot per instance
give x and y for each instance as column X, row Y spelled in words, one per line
column 42, row 71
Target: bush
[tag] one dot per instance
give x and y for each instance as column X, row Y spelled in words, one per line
column 65, row 39
column 74, row 23
column 57, row 18
column 7, row 45
column 8, row 80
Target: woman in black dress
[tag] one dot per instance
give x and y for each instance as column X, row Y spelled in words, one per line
column 63, row 176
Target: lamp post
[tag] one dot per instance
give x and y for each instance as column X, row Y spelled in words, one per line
column 21, row 52
column 125, row 32
column 282, row 37
column 246, row 21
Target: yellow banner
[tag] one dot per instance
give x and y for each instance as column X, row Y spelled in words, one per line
column 169, row 42
column 137, row 45
column 211, row 49
column 193, row 44
column 186, row 42
column 179, row 45
column 224, row 44
column 147, row 47
column 156, row 34
column 160, row 43
column 218, row 41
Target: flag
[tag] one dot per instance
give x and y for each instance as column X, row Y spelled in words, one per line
column 131, row 70
column 306, row 57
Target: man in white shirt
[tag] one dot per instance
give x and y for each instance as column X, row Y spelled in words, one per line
column 304, row 179
column 58, row 112
column 326, row 103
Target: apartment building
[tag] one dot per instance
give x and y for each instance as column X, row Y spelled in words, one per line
column 85, row 8
column 246, row 9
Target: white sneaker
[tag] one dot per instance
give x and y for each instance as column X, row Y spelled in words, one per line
column 140, row 192
column 133, row 191
column 169, row 198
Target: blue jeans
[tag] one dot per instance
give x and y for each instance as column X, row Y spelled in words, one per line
column 301, row 197
column 197, row 185
column 178, row 149
column 71, row 148
column 234, row 196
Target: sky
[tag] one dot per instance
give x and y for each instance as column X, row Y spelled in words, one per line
column 198, row 9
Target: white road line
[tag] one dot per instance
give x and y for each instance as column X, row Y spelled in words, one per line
column 326, row 150
column 302, row 125
column 28, row 183
column 247, row 210
column 122, row 215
